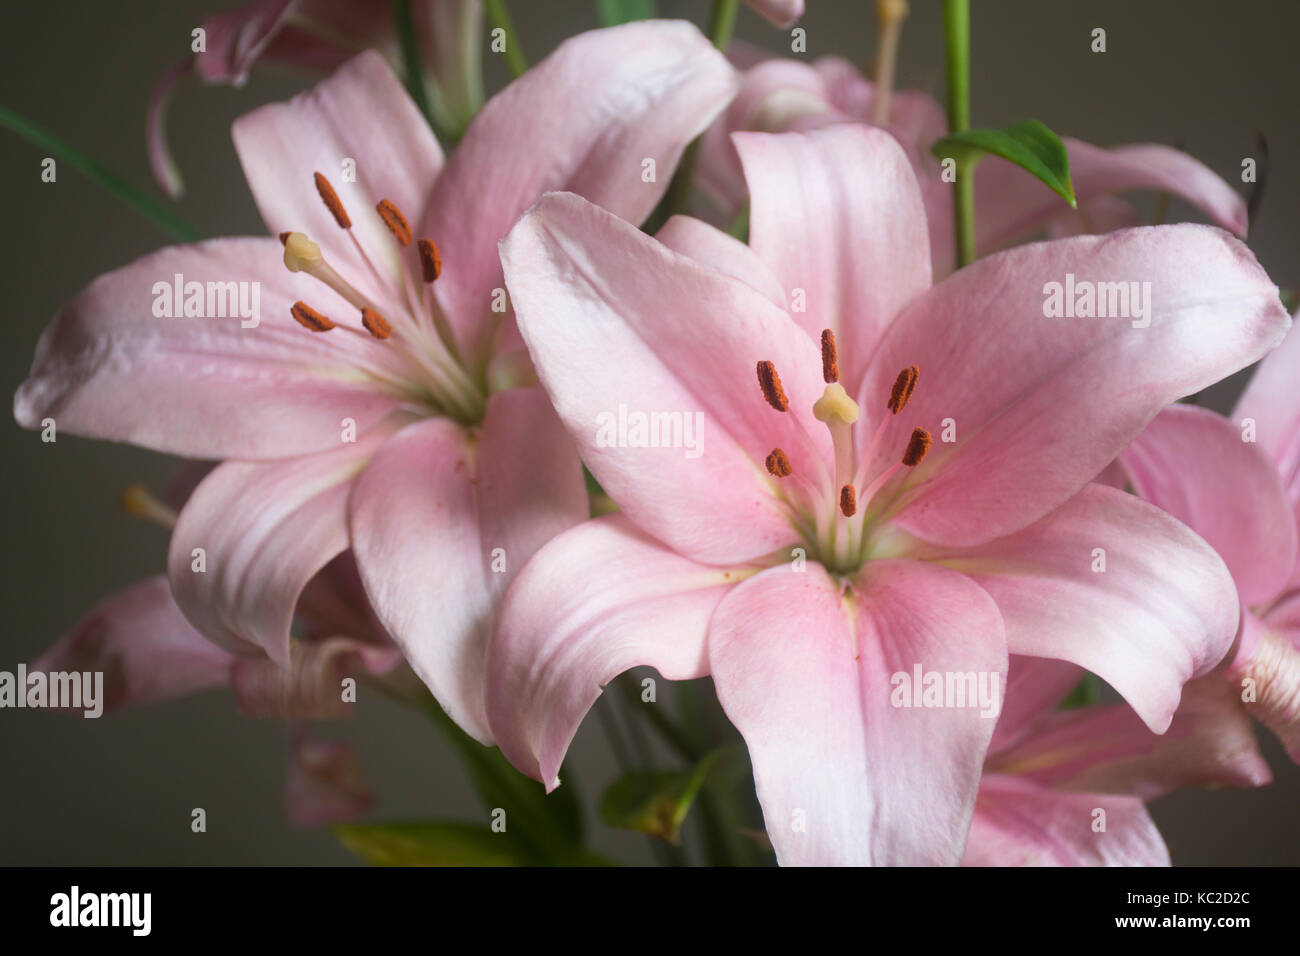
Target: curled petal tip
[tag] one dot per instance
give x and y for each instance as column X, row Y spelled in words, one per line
column 165, row 171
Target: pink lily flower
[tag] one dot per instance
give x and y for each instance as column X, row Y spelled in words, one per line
column 813, row 546
column 390, row 412
column 1234, row 482
column 1050, row 772
column 320, row 36
column 778, row 95
column 148, row 652
column 780, row 13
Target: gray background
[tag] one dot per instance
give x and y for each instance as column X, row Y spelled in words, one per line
column 1205, row 74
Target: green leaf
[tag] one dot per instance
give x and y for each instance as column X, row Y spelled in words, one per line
column 433, row 844
column 654, row 802
column 613, row 12
column 1030, row 145
column 64, row 152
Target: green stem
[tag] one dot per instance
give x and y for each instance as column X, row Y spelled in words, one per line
column 141, row 202
column 499, row 18
column 414, row 69
column 605, row 711
column 721, row 23
column 956, row 35
column 499, row 784
column 669, row 731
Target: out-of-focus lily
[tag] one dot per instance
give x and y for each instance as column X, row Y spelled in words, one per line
column 319, row 36
column 780, row 13
column 1069, row 788
column 915, row 493
column 1236, row 482
column 779, row 95
column 148, row 652
column 379, row 397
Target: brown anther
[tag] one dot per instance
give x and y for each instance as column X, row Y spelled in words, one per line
column 770, row 383
column 332, row 202
column 309, row 318
column 778, row 464
column 395, row 221
column 430, row 259
column 848, row 501
column 375, row 323
column 904, row 385
column 917, row 447
column 284, row 238
column 830, row 358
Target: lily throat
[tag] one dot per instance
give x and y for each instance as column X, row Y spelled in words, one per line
column 409, row 318
column 835, row 505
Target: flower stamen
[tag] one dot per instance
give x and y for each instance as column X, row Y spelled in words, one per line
column 332, row 202
column 375, row 324
column 139, row 502
column 917, row 447
column 395, row 221
column 904, row 385
column 770, row 383
column 778, row 464
column 309, row 318
column 430, row 259
column 899, row 395
column 830, row 358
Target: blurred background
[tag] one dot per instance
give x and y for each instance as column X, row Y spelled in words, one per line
column 1206, row 75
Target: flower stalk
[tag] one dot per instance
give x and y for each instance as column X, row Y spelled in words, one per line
column 956, row 36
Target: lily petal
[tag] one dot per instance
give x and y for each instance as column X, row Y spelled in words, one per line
column 710, row 246
column 359, row 129
column 311, row 687
column 1041, row 405
column 235, row 39
column 323, row 782
column 439, row 529
column 1272, row 401
column 1018, row 823
column 555, row 645
column 1115, row 585
column 845, row 777
column 1035, row 687
column 145, row 648
column 588, row 287
column 1096, row 216
column 1195, row 464
column 108, row 367
column 1009, row 202
column 837, row 216
column 264, row 529
column 915, row 118
column 161, row 163
column 775, row 96
column 1012, row 202
column 637, row 92
column 780, row 13
column 1265, row 676
column 1108, row 749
